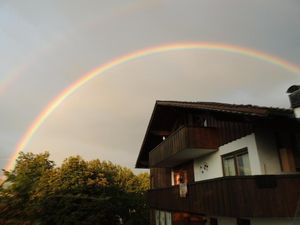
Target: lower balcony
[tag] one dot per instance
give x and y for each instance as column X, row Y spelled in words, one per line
column 245, row 196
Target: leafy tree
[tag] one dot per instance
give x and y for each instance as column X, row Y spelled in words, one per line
column 20, row 184
column 77, row 192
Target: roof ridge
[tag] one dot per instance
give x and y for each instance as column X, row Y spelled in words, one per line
column 224, row 104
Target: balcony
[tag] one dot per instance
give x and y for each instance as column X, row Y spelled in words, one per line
column 183, row 145
column 246, row 196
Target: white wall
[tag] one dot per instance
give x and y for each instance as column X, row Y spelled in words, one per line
column 267, row 151
column 214, row 160
column 297, row 112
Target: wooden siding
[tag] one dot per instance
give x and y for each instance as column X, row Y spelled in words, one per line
column 184, row 138
column 230, row 127
column 160, row 177
column 247, row 196
column 227, row 128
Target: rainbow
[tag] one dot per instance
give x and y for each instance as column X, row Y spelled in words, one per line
column 40, row 119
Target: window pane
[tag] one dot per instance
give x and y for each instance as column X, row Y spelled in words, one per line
column 162, row 218
column 180, row 177
column 156, row 217
column 243, row 164
column 229, row 168
column 168, row 218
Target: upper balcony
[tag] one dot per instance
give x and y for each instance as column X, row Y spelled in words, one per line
column 184, row 144
column 236, row 196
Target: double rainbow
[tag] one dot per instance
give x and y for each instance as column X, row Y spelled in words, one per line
column 40, row 119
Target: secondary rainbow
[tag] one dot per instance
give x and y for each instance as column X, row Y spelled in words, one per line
column 39, row 120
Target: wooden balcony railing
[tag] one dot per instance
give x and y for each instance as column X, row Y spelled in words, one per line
column 247, row 196
column 184, row 144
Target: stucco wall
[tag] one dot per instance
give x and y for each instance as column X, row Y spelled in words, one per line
column 214, row 163
column 297, row 112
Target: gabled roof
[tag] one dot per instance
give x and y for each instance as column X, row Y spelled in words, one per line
column 238, row 109
column 252, row 110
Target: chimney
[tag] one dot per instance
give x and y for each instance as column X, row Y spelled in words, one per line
column 294, row 95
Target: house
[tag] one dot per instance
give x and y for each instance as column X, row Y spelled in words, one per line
column 223, row 164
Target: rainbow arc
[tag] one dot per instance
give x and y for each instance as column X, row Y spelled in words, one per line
column 56, row 102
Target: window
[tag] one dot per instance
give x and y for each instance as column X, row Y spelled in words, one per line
column 168, row 218
column 163, row 218
column 236, row 163
column 180, row 176
column 157, row 217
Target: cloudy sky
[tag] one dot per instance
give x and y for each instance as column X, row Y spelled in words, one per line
column 47, row 45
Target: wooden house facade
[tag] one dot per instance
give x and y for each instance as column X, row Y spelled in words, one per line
column 222, row 164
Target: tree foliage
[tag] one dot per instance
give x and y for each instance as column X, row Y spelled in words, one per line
column 77, row 192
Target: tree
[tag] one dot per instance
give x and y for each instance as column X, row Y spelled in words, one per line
column 77, row 192
column 20, row 184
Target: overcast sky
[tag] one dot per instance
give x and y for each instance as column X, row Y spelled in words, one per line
column 47, row 45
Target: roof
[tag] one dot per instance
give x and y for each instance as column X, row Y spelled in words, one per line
column 253, row 110
column 233, row 109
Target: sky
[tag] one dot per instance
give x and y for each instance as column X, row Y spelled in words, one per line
column 45, row 46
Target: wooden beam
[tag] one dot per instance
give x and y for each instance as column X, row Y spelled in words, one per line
column 160, row 132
